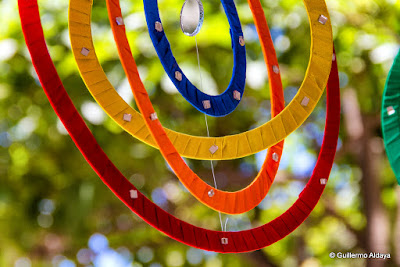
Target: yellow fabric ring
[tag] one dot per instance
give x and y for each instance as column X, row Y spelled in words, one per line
column 196, row 147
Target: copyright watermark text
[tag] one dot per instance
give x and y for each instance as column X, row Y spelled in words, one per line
column 350, row 255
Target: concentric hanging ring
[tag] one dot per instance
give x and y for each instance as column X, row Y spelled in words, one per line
column 390, row 117
column 229, row 147
column 219, row 105
column 227, row 202
column 222, row 201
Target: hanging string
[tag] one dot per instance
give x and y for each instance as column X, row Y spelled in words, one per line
column 208, row 134
column 226, row 222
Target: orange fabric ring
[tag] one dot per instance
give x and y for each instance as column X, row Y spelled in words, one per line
column 223, row 201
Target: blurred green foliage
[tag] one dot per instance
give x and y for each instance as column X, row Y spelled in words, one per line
column 51, row 201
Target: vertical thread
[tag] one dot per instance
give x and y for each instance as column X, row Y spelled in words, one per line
column 208, row 132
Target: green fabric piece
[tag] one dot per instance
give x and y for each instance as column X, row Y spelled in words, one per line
column 391, row 117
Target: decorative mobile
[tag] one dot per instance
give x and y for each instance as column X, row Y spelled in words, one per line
column 173, row 145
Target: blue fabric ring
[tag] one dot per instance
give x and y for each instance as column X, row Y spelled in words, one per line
column 223, row 104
